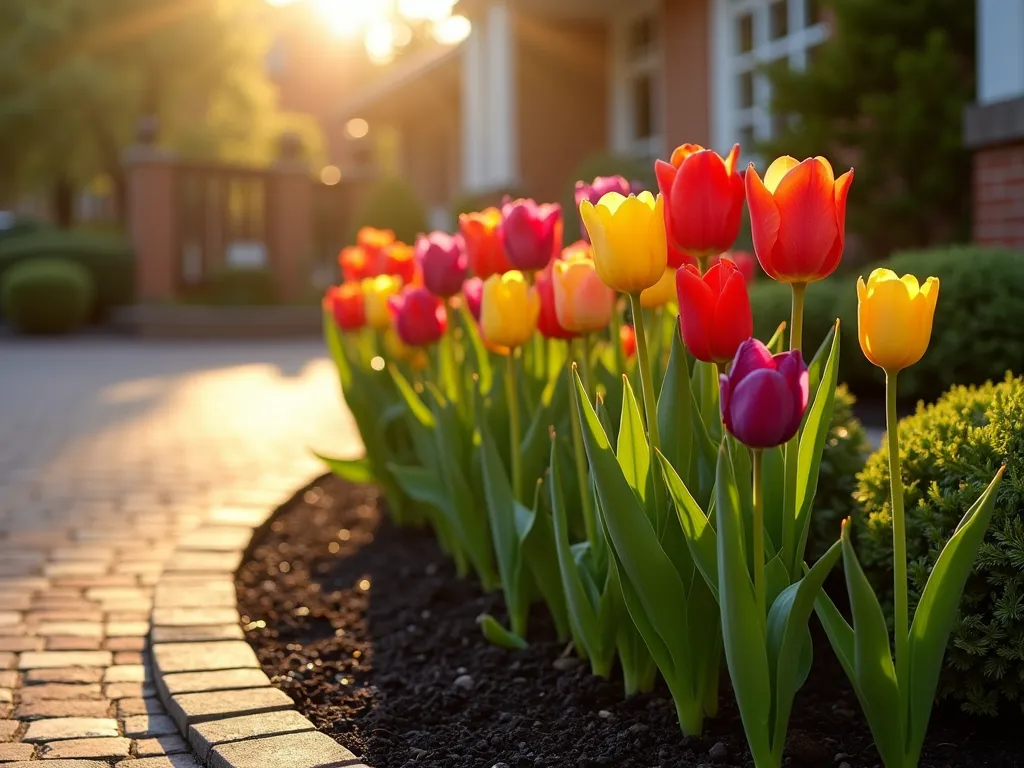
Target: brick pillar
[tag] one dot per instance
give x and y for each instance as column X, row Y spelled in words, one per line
column 290, row 220
column 995, row 133
column 151, row 177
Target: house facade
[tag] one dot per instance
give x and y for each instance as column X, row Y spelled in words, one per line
column 540, row 86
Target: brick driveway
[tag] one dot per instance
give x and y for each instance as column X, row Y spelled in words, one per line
column 112, row 454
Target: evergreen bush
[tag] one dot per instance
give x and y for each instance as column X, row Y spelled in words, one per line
column 47, row 296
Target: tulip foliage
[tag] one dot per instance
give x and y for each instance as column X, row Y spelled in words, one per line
column 651, row 482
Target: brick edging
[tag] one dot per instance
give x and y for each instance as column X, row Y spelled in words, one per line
column 208, row 678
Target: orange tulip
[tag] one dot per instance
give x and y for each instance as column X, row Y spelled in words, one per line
column 355, row 264
column 399, row 259
column 583, row 303
column 798, row 218
column 374, row 240
column 484, row 248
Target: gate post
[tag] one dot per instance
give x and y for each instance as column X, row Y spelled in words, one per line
column 152, row 202
column 291, row 220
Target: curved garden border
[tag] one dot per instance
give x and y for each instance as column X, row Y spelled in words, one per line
column 208, row 677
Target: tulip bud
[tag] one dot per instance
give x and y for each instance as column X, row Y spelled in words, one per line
column 547, row 320
column 508, row 310
column 373, row 242
column 442, row 261
column 764, row 397
column 419, row 316
column 714, row 311
column 583, row 302
column 628, row 236
column 355, row 264
column 399, row 260
column 600, row 187
column 661, row 293
column 376, row 292
column 531, row 233
column 484, row 249
column 894, row 318
column 798, row 218
column 703, row 199
column 345, row 303
column 743, row 260
column 473, row 291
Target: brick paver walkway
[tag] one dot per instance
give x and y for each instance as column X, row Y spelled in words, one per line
column 115, row 455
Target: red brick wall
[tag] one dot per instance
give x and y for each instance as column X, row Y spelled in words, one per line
column 999, row 196
column 687, row 45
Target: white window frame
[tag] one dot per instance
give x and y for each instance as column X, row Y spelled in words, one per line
column 624, row 70
column 728, row 64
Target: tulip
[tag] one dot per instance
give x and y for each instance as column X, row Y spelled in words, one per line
column 356, row 264
column 579, row 248
column 399, row 259
column 661, row 293
column 531, row 233
column 345, row 302
column 376, row 292
column 628, row 338
column 509, row 309
column 484, row 249
column 473, row 292
column 547, row 321
column 743, row 260
column 583, row 302
column 600, row 187
column 894, row 317
column 442, row 261
column 628, row 236
column 703, row 199
column 764, row 397
column 798, row 218
column 396, row 349
column 419, row 316
column 714, row 311
column 374, row 240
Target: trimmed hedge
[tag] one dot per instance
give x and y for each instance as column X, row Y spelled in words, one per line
column 949, row 453
column 391, row 204
column 976, row 335
column 108, row 260
column 47, row 296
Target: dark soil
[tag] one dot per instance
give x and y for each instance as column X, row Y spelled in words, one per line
column 368, row 628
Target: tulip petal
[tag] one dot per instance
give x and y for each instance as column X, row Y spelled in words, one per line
column 777, row 171
column 842, row 188
column 665, row 173
column 696, row 312
column 732, row 159
column 827, row 166
column 733, row 323
column 764, row 221
column 808, row 228
column 705, row 205
column 761, row 409
column 752, row 355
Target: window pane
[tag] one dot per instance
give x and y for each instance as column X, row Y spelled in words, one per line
column 812, row 12
column 746, row 90
column 643, row 107
column 778, row 19
column 747, row 137
column 745, row 33
column 641, row 38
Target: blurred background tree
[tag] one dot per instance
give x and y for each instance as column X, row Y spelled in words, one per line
column 76, row 78
column 886, row 93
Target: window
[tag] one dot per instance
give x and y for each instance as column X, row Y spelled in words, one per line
column 636, row 82
column 751, row 34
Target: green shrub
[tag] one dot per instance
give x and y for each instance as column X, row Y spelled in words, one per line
column 949, row 453
column 391, row 204
column 47, row 296
column 108, row 260
column 18, row 225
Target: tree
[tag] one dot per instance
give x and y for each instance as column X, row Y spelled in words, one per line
column 886, row 94
column 76, row 77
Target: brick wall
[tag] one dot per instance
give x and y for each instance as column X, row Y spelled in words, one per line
column 999, row 195
column 685, row 25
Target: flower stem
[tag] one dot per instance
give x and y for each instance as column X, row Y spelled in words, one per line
column 796, row 322
column 512, row 395
column 582, row 477
column 620, row 355
column 458, row 395
column 899, row 540
column 647, row 384
column 759, row 587
column 585, row 355
column 789, row 544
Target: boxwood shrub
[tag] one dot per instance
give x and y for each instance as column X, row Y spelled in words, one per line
column 950, row 451
column 47, row 296
column 391, row 204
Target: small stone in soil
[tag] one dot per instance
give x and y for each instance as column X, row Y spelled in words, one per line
column 719, row 753
column 565, row 664
column 465, row 682
column 604, row 714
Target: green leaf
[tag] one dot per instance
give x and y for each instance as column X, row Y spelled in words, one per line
column 675, row 417
column 498, row 635
column 420, row 484
column 776, row 577
column 876, row 684
column 742, row 626
column 817, row 363
column 632, row 450
column 773, row 486
column 707, row 391
column 353, row 470
column 778, row 339
column 481, row 357
column 812, row 443
column 417, row 409
column 787, row 634
column 537, row 543
column 334, row 345
column 935, row 613
column 700, row 535
column 535, row 445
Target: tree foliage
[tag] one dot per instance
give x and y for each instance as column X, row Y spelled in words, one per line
column 886, row 93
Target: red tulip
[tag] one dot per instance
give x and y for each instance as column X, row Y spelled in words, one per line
column 743, row 260
column 714, row 311
column 442, row 260
column 547, row 321
column 418, row 316
column 703, row 199
column 473, row 291
column 764, row 397
column 627, row 335
column 484, row 249
column 798, row 218
column 356, row 264
column 399, row 260
column 531, row 233
column 345, row 303
column 677, row 257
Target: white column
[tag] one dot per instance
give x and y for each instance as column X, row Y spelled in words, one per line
column 502, row 113
column 474, row 112
column 1000, row 50
column 723, row 95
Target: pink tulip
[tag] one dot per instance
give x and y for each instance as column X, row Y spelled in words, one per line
column 531, row 233
column 418, row 316
column 473, row 290
column 442, row 259
column 593, row 192
column 764, row 397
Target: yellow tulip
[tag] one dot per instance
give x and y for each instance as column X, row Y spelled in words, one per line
column 376, row 292
column 628, row 236
column 894, row 316
column 583, row 303
column 661, row 293
column 508, row 309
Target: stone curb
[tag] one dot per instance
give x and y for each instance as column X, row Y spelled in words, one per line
column 208, row 677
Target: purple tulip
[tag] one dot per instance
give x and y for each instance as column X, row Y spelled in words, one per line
column 442, row 257
column 601, row 186
column 531, row 233
column 473, row 290
column 764, row 397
